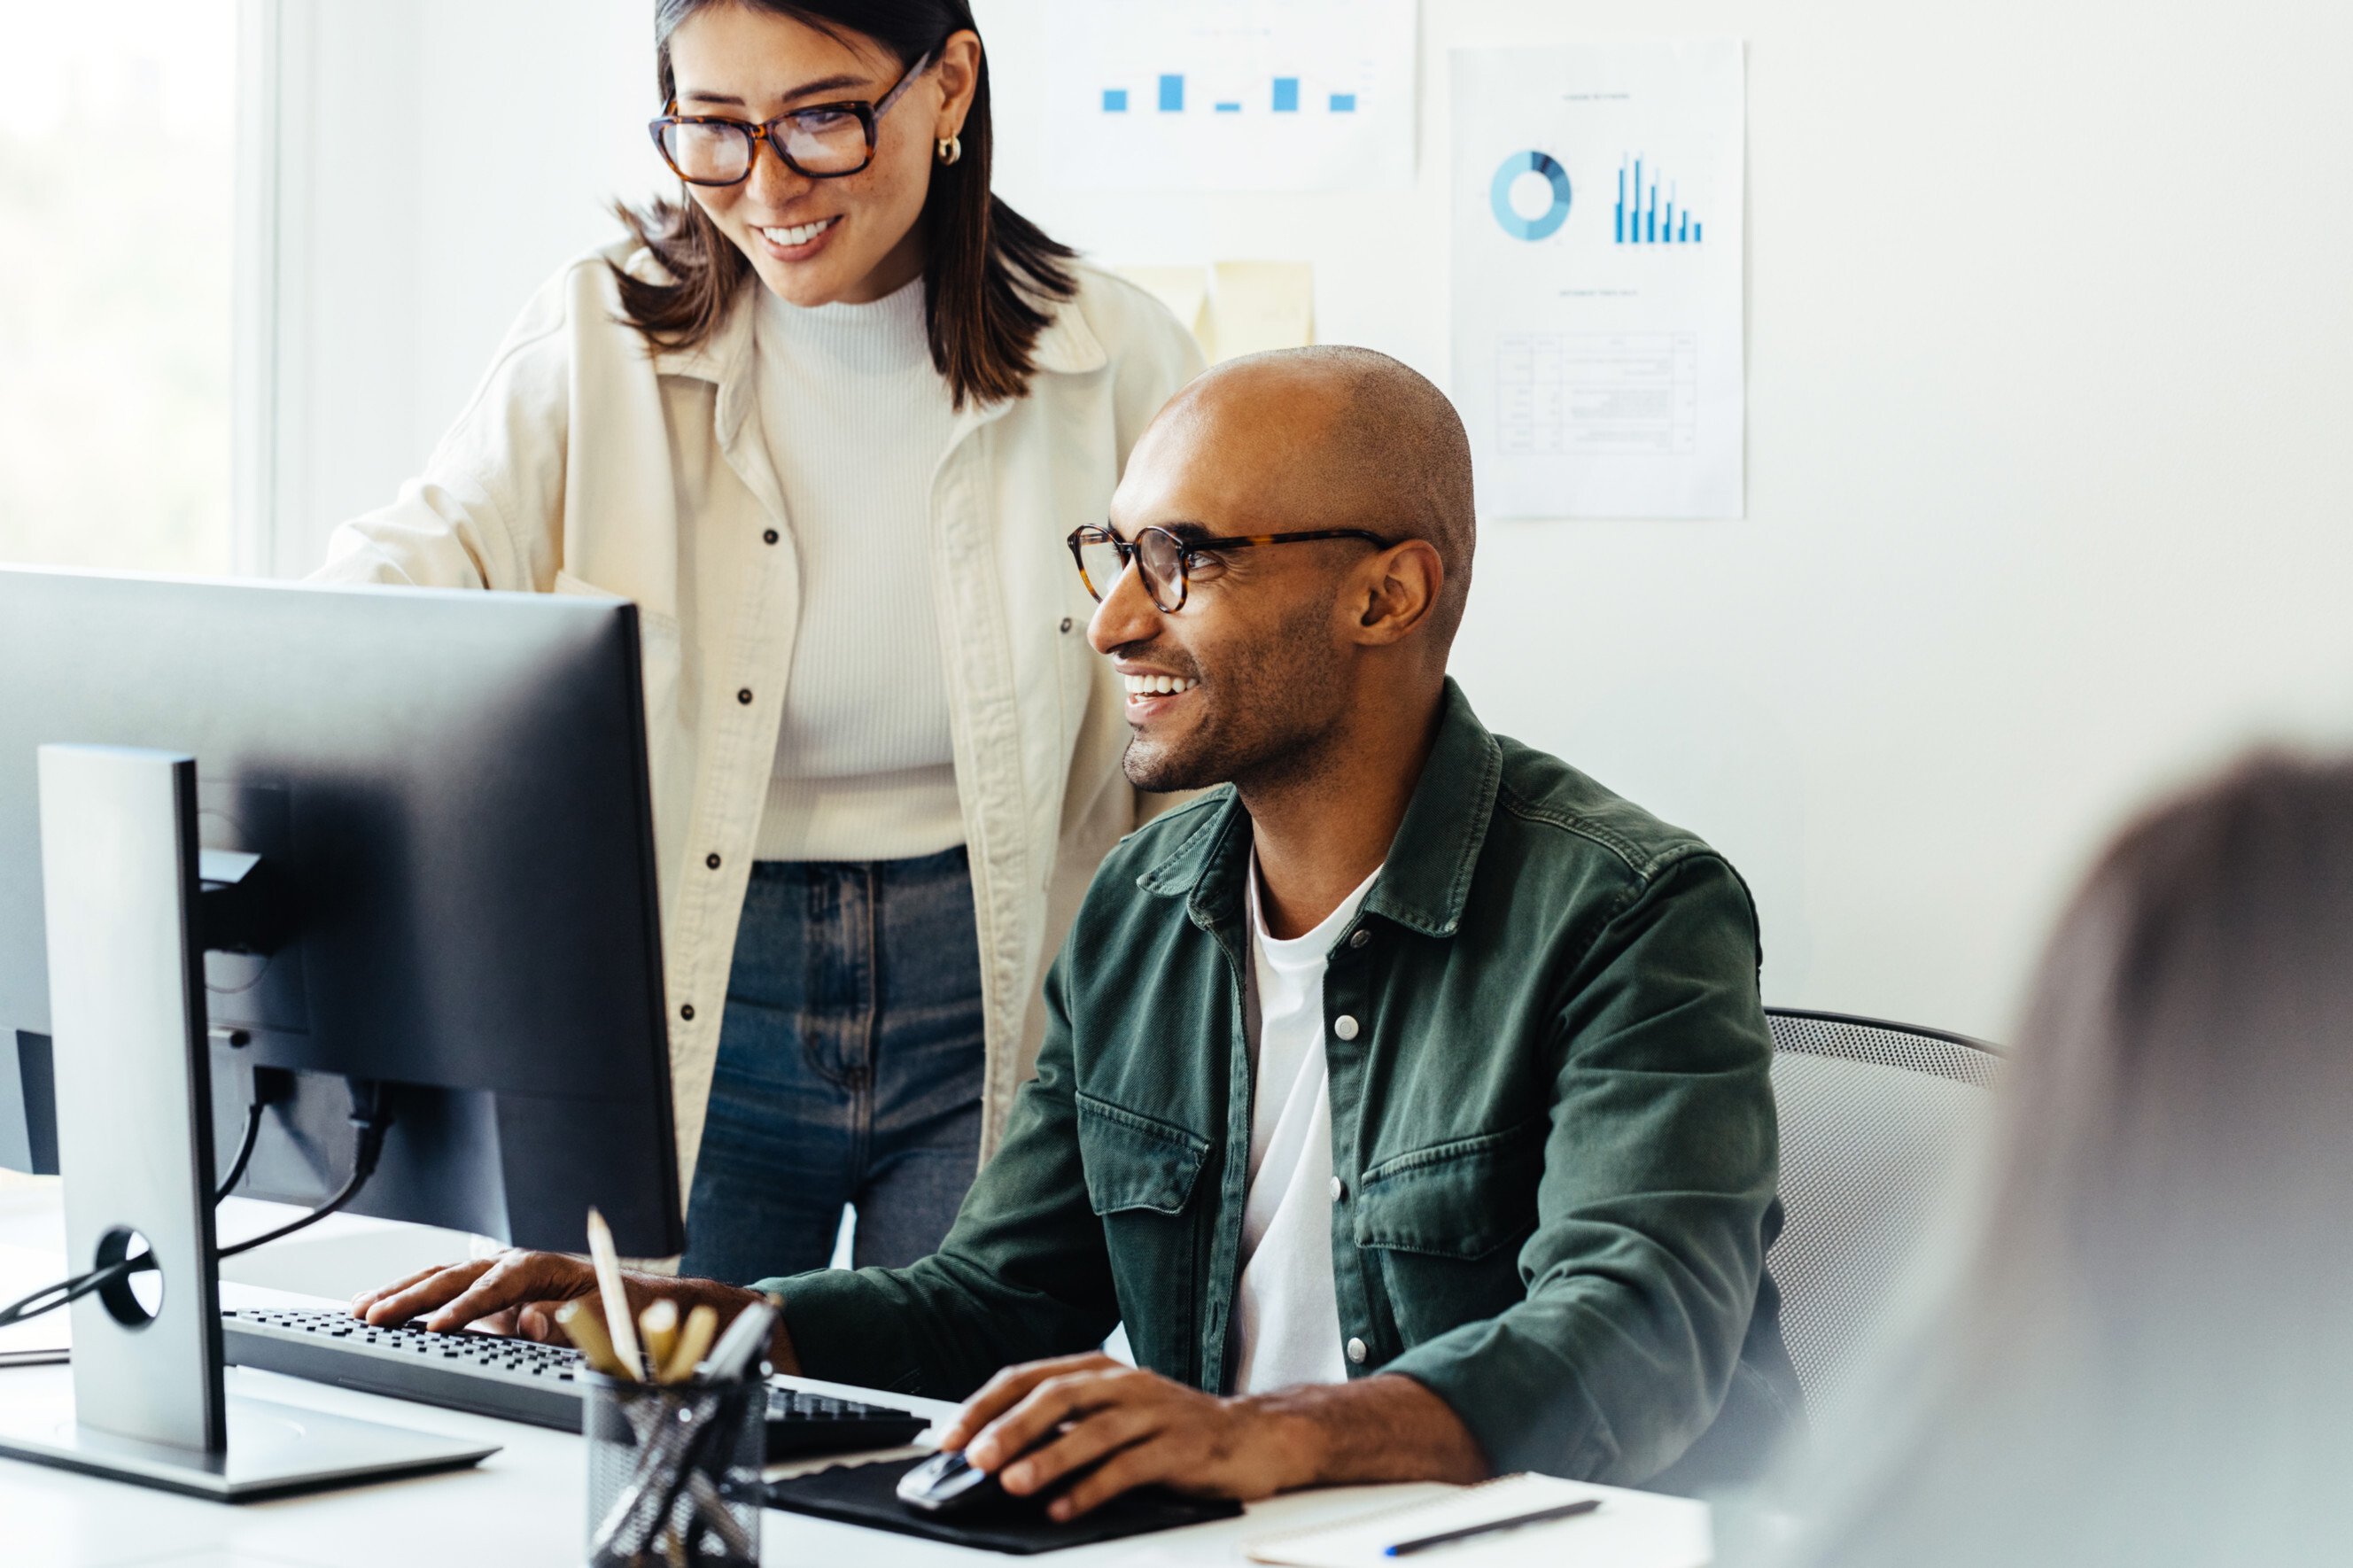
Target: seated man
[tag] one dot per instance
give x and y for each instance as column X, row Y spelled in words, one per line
column 1406, row 1097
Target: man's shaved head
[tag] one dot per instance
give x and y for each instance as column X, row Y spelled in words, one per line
column 1284, row 653
column 1368, row 443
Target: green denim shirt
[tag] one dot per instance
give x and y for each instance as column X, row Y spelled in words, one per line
column 1552, row 1127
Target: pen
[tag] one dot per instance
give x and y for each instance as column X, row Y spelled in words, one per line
column 1424, row 1543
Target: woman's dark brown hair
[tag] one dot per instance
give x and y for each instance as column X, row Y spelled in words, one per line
column 990, row 275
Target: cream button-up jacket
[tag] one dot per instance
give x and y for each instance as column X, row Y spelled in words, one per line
column 588, row 464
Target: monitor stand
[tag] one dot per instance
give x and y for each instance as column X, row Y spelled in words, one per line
column 146, row 1401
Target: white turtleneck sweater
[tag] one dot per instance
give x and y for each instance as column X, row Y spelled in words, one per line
column 856, row 421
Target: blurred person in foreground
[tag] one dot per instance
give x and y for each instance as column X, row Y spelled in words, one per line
column 2145, row 1355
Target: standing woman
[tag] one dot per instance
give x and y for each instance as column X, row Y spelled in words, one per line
column 827, row 419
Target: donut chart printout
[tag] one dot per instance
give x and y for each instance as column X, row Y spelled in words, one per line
column 1597, row 213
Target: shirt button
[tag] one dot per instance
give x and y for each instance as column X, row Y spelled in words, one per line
column 1339, row 1189
column 687, row 1012
column 1345, row 1027
column 712, row 861
column 1356, row 1352
column 1066, row 623
column 744, row 695
column 769, row 537
column 1361, row 938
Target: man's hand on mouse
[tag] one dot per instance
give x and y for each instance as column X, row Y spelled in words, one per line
column 518, row 1292
column 1148, row 1429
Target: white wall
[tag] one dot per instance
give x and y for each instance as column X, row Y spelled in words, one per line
column 435, row 161
column 2050, row 371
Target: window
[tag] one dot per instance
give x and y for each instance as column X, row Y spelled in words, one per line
column 117, row 187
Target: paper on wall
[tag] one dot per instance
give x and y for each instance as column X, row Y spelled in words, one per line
column 1598, row 249
column 1184, row 290
column 1236, row 308
column 1260, row 305
column 1231, row 95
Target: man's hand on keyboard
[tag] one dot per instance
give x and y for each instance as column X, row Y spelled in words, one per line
column 518, row 1292
column 513, row 1293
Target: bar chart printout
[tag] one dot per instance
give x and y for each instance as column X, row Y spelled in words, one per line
column 1231, row 94
column 1638, row 218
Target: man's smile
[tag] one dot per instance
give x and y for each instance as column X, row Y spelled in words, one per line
column 1151, row 693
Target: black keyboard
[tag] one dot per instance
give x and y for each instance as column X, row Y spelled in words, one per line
column 520, row 1380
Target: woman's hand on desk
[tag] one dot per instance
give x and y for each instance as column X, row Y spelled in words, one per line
column 518, row 1293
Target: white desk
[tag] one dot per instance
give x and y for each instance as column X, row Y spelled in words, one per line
column 521, row 1508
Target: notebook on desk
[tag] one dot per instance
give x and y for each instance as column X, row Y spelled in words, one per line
column 1628, row 1529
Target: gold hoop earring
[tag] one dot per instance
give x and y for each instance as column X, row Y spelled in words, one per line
column 951, row 147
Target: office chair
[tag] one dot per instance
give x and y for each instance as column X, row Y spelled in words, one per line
column 1876, row 1121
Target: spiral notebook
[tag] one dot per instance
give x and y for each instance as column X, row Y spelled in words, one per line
column 1630, row 1529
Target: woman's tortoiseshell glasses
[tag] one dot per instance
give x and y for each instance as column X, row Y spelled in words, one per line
column 823, row 142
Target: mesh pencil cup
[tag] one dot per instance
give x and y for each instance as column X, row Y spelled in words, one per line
column 674, row 1472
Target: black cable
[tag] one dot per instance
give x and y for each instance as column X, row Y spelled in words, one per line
column 370, row 1113
column 244, row 1150
column 72, row 1290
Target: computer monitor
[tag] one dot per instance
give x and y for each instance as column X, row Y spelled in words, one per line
column 448, row 795
column 342, row 850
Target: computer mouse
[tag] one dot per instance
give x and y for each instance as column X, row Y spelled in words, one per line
column 947, row 1484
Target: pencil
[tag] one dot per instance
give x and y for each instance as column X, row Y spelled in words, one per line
column 616, row 1299
column 658, row 1325
column 582, row 1328
column 693, row 1343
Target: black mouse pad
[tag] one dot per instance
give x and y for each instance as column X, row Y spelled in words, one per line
column 867, row 1495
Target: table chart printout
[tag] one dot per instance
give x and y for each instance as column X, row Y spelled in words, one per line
column 1596, row 211
column 1231, row 95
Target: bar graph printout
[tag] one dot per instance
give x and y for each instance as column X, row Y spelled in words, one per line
column 1231, row 95
column 1595, row 211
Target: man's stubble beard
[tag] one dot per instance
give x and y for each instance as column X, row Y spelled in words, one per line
column 1277, row 696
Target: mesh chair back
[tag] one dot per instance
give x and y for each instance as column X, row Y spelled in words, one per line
column 1876, row 1121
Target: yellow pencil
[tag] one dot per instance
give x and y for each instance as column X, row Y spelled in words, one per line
column 588, row 1332
column 693, row 1344
column 659, row 1324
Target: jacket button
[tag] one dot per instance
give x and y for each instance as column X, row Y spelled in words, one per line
column 1345, row 1027
column 744, row 695
column 687, row 1012
column 769, row 537
column 1361, row 938
column 1356, row 1352
column 712, row 861
column 1066, row 623
column 1339, row 1189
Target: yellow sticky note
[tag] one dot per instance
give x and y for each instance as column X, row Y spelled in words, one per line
column 1184, row 290
column 1255, row 306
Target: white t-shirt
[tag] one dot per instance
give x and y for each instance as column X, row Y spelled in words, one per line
column 1286, row 1317
column 856, row 420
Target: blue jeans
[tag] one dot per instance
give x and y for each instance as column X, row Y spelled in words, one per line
column 849, row 1070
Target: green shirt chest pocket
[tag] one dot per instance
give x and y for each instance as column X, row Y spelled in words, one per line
column 1443, row 1226
column 1141, row 1171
